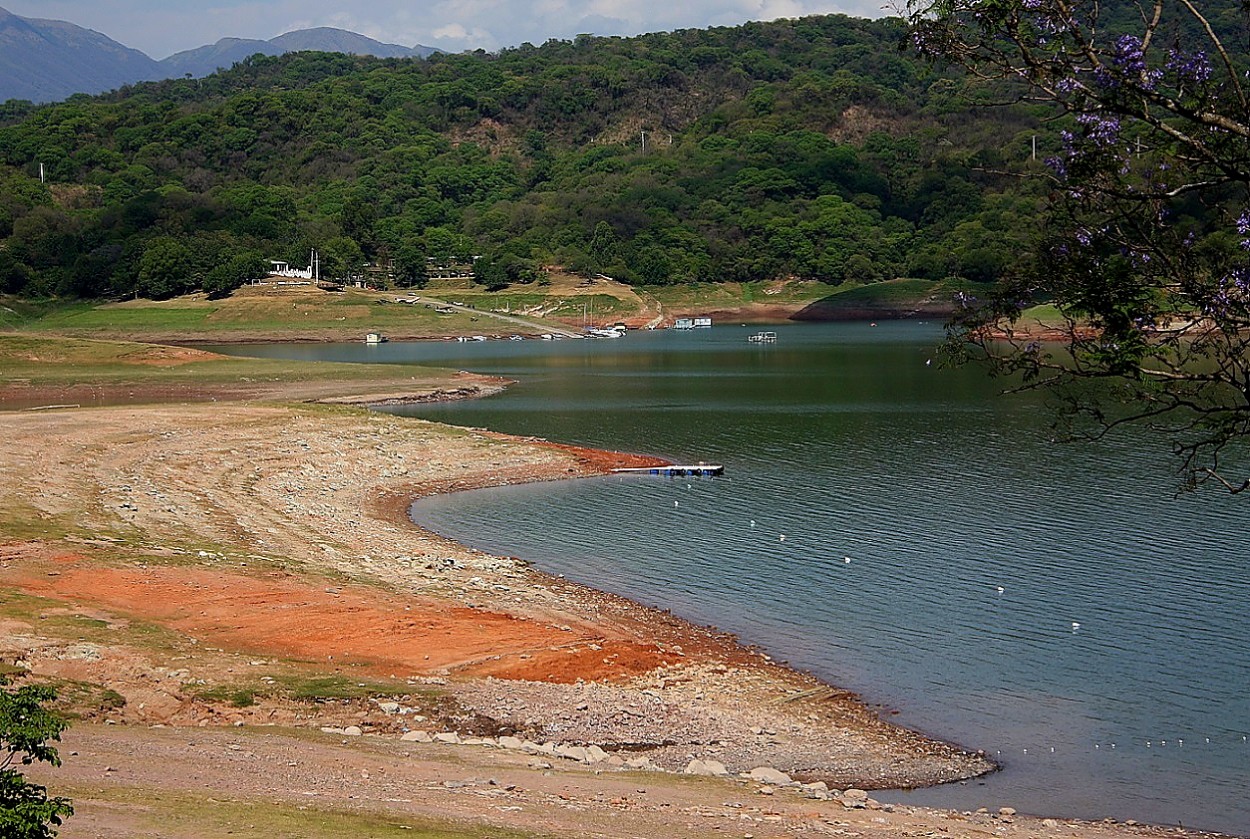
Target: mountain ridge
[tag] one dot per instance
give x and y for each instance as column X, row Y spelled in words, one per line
column 51, row 60
column 227, row 52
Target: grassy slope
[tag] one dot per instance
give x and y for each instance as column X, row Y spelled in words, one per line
column 300, row 313
column 41, row 370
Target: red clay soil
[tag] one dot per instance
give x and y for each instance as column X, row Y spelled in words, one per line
column 599, row 460
column 385, row 634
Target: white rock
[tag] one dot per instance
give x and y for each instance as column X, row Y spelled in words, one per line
column 572, row 753
column 768, row 775
column 417, row 737
column 447, row 737
column 706, row 767
column 352, row 731
column 511, row 743
column 594, row 754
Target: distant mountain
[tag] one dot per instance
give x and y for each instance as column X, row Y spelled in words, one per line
column 227, row 52
column 47, row 60
column 326, row 39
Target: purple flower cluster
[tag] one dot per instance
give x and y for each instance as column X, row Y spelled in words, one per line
column 1241, row 280
column 1068, row 85
column 1103, row 132
column 1189, row 66
column 1243, row 229
column 1127, row 54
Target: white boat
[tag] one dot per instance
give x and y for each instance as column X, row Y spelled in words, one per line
column 606, row 331
column 375, row 338
column 763, row 338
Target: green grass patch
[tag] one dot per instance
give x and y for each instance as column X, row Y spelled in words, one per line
column 331, row 688
column 303, row 687
column 124, row 318
column 39, row 360
column 236, row 695
column 22, row 522
column 76, row 699
column 7, row 670
column 1046, row 314
column 253, row 314
column 210, row 815
column 58, row 621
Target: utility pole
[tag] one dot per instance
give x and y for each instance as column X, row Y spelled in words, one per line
column 42, row 180
column 644, row 141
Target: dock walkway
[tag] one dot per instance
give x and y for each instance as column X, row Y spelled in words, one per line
column 675, row 471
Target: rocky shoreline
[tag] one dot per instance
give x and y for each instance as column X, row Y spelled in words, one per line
column 227, row 550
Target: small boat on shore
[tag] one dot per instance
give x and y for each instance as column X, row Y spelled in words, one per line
column 375, row 338
column 698, row 470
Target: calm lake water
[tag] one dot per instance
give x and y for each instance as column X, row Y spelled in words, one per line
column 1052, row 604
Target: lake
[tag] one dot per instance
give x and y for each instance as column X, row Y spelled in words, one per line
column 1053, row 604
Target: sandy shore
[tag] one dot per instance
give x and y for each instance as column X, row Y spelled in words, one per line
column 248, row 571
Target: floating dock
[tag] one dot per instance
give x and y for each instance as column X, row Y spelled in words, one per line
column 701, row 469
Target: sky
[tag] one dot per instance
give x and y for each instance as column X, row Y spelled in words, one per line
column 163, row 27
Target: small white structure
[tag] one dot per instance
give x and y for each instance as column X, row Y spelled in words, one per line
column 375, row 338
column 284, row 270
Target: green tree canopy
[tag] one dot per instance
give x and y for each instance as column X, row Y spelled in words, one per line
column 26, row 728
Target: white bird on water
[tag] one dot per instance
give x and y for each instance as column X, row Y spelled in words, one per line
column 846, row 560
column 781, row 538
column 1076, row 625
column 1001, row 589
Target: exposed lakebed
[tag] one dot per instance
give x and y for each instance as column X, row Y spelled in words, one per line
column 1052, row 604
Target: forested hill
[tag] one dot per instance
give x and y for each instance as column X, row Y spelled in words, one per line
column 811, row 148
